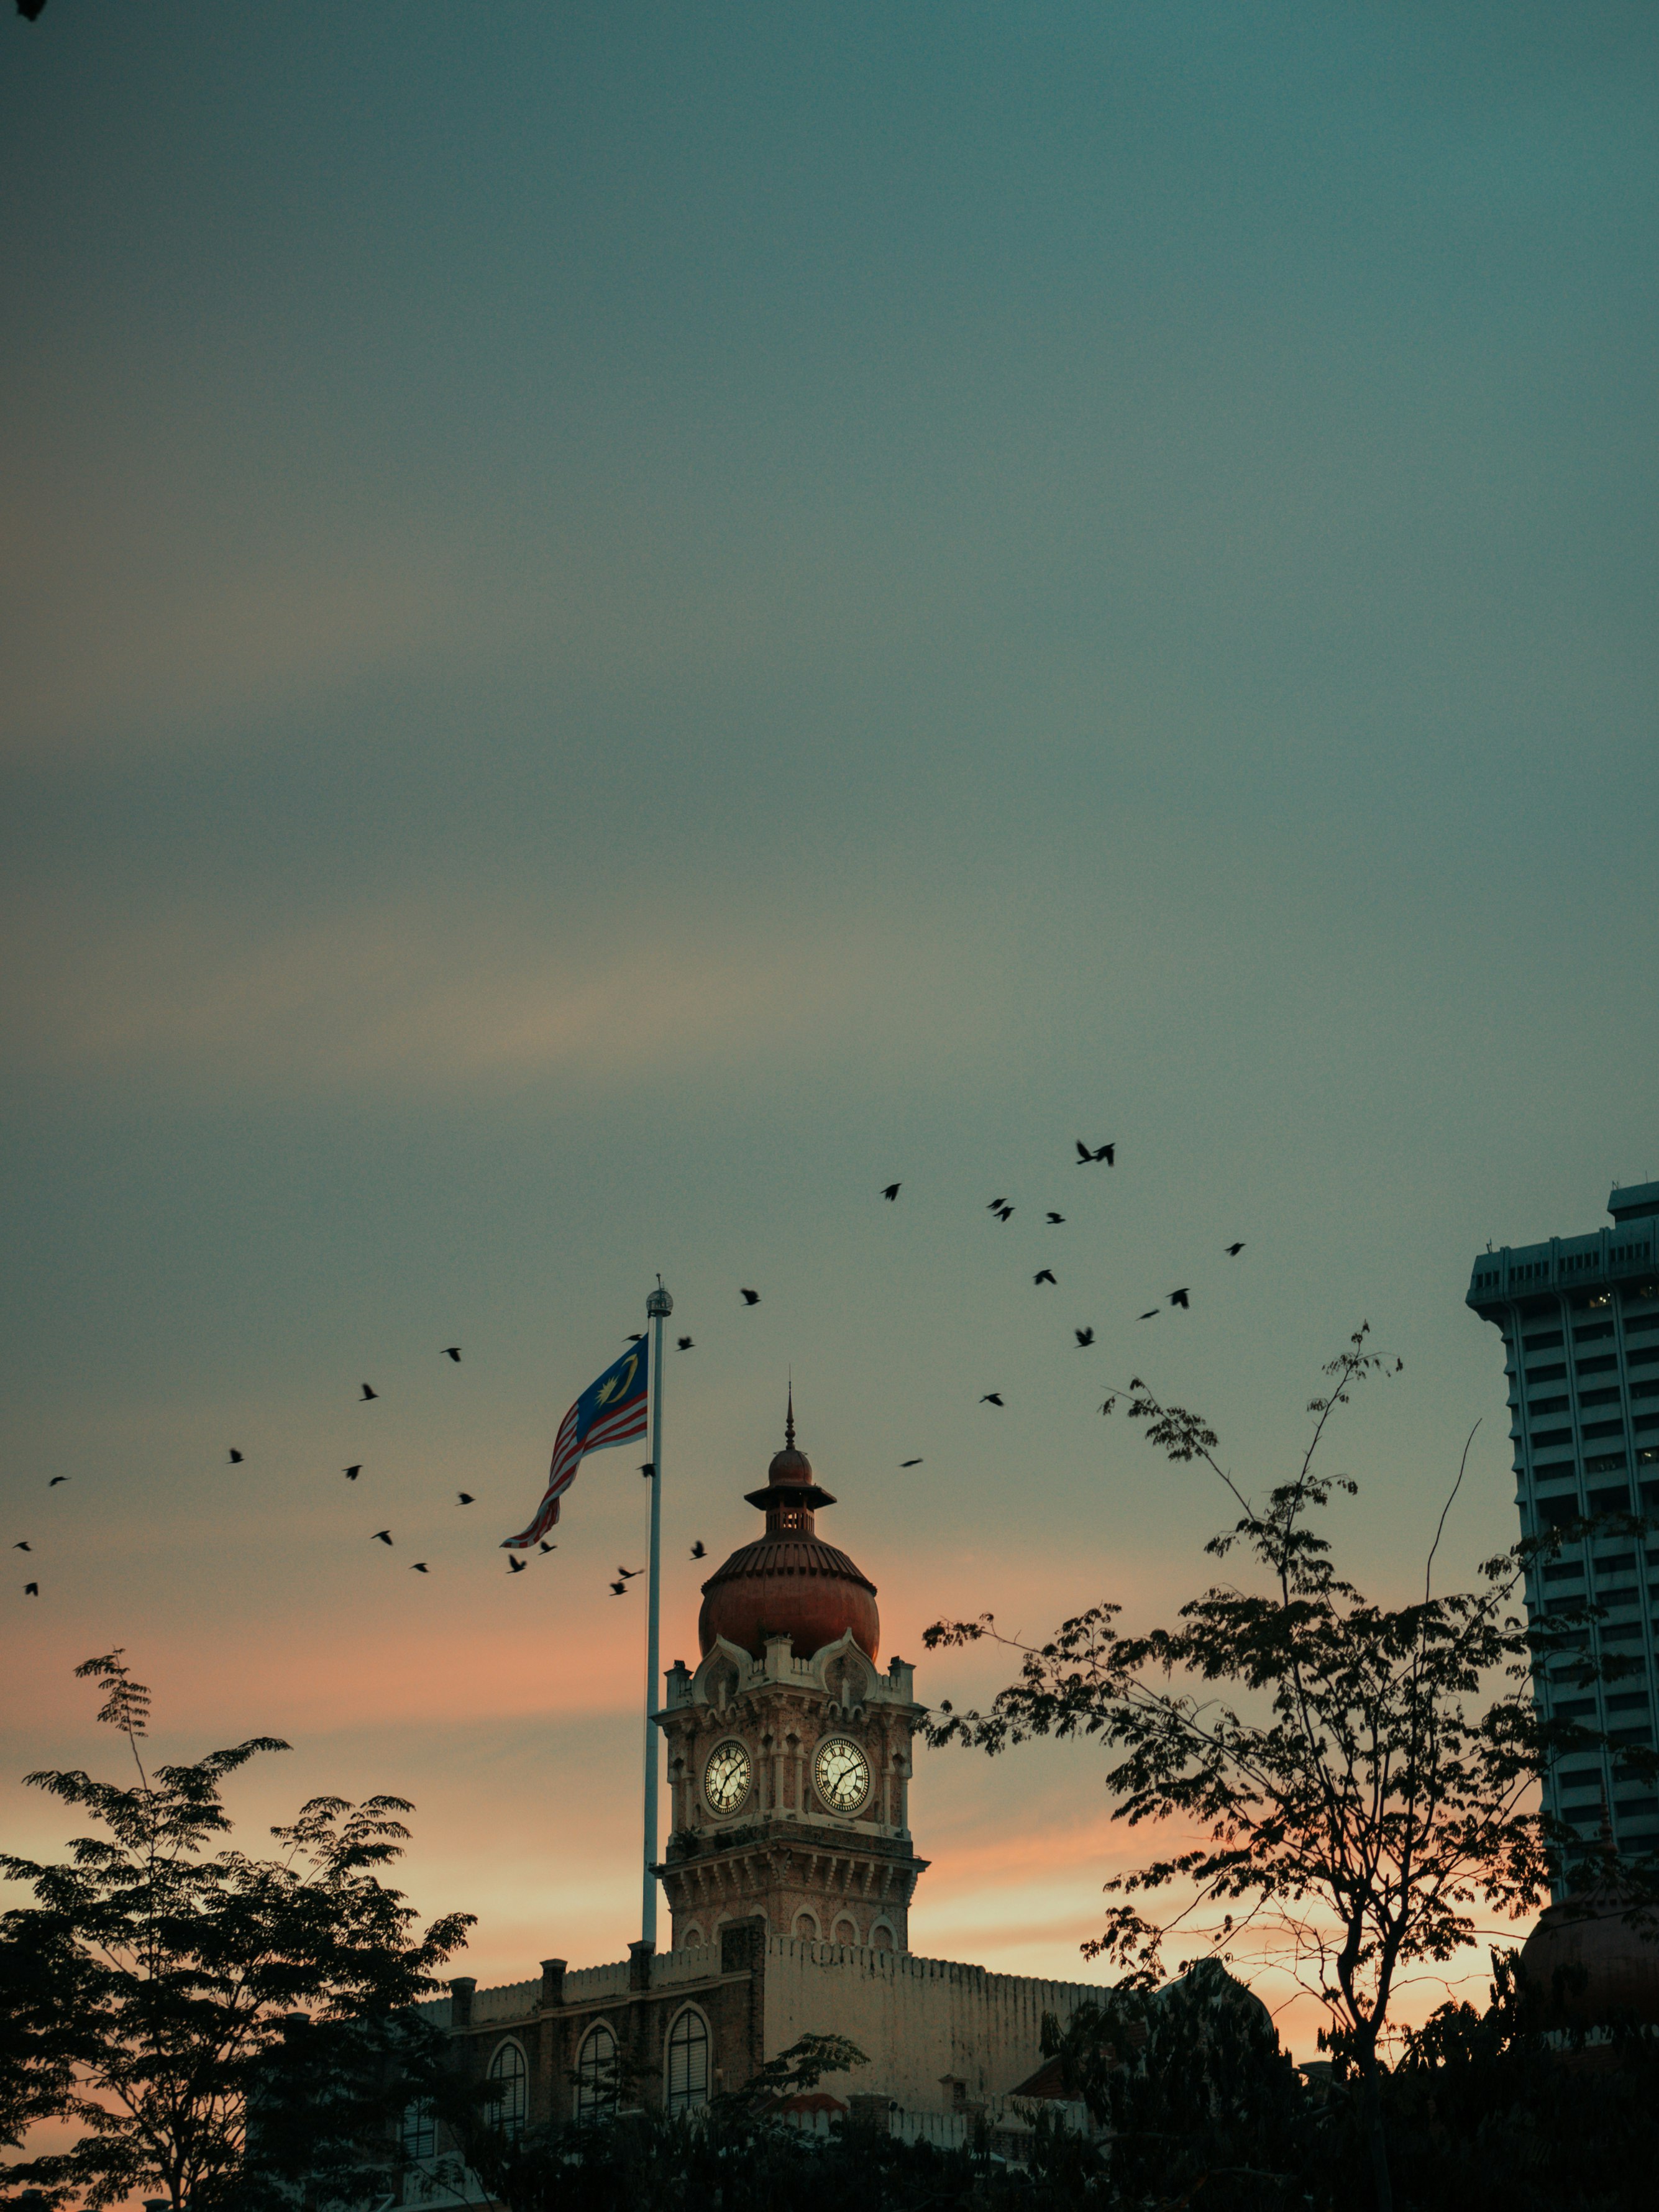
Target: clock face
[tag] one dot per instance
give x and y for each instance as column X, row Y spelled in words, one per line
column 842, row 1774
column 725, row 1777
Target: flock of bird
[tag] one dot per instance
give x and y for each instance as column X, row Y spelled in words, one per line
column 1178, row 1300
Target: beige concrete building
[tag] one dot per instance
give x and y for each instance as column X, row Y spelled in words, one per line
column 789, row 1872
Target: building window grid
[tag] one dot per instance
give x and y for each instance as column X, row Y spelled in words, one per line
column 687, row 2062
column 420, row 2130
column 507, row 2067
column 1626, row 1811
column 597, row 2084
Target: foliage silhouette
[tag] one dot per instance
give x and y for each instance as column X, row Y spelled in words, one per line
column 163, row 1992
column 1371, row 1783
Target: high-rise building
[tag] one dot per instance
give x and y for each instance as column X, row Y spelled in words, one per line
column 1579, row 1317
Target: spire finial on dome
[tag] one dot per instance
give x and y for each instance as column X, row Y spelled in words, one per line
column 789, row 1418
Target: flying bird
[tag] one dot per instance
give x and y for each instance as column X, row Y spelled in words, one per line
column 352, row 1472
column 418, row 1568
column 515, row 1567
column 616, row 1588
column 892, row 1191
column 992, row 1398
column 1086, row 1158
column 1085, row 1337
column 638, row 1337
column 465, row 1497
column 1042, row 1275
column 685, row 1343
column 452, row 1351
column 31, row 1590
column 996, row 1205
column 648, row 1469
column 1004, row 1212
column 751, row 1298
column 235, row 1456
column 1232, row 1251
column 1179, row 1299
column 700, row 1550
column 368, row 1393
column 22, row 1548
column 549, row 1548
column 1054, row 1220
column 1151, row 1314
column 55, row 1479
column 903, row 1463
column 628, row 1573
column 381, row 1537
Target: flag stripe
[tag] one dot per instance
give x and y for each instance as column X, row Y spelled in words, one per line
column 607, row 1425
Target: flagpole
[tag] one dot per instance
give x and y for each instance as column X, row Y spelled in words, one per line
column 658, row 1306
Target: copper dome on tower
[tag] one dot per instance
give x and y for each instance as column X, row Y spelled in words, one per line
column 787, row 1582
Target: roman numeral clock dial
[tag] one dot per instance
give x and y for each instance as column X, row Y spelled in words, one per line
column 725, row 1777
column 842, row 1774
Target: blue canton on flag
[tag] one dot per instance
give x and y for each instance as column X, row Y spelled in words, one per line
column 609, row 1412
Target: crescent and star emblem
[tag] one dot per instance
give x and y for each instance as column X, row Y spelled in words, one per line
column 617, row 1385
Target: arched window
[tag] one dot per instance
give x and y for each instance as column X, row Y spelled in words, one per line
column 420, row 2130
column 845, row 1932
column 596, row 2075
column 692, row 1937
column 881, row 1936
column 806, row 1928
column 688, row 2062
column 507, row 2067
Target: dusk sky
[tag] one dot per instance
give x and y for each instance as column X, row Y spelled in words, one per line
column 624, row 624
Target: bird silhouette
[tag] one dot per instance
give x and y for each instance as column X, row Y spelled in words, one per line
column 549, row 1548
column 1151, row 1314
column 700, row 1550
column 892, row 1191
column 1005, row 1212
column 992, row 1398
column 352, row 1472
column 515, row 1567
column 616, row 1588
column 381, row 1537
column 648, row 1469
column 1042, row 1275
column 55, row 1479
column 418, row 1567
column 638, row 1337
column 903, row 1463
column 628, row 1573
column 31, row 1590
column 368, row 1393
column 685, row 1343
column 452, row 1351
column 1054, row 1220
column 235, row 1456
column 1179, row 1299
column 1086, row 1158
column 465, row 1497
column 751, row 1298
column 1085, row 1337
column 22, row 1548
column 994, row 1204
column 1232, row 1251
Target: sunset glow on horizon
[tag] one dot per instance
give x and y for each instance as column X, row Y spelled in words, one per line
column 627, row 624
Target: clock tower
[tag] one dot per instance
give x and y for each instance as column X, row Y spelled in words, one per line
column 788, row 1748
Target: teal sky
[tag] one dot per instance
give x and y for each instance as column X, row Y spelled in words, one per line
column 623, row 624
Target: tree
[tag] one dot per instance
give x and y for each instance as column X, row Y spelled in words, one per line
column 1192, row 2084
column 162, row 1992
column 1486, row 2114
column 1372, row 1785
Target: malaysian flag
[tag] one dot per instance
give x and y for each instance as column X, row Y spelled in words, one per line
column 609, row 1412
